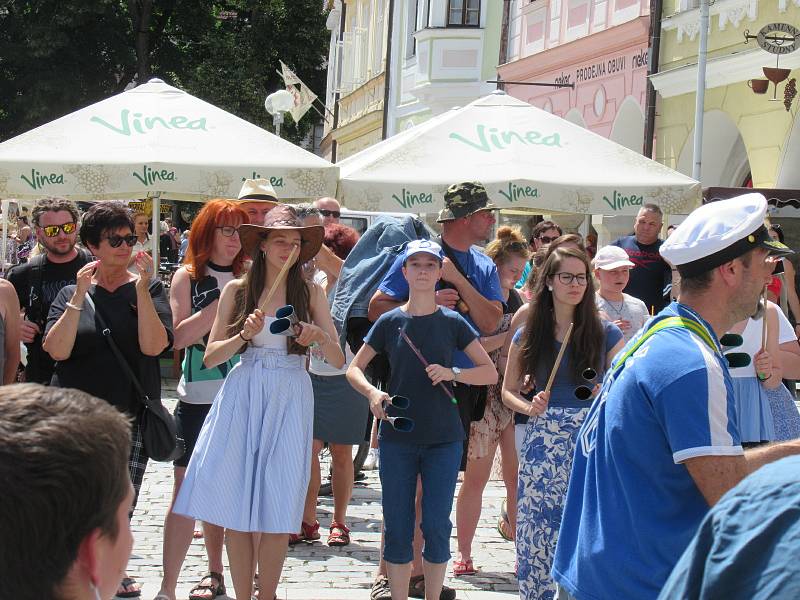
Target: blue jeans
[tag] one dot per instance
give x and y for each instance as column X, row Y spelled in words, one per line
column 437, row 465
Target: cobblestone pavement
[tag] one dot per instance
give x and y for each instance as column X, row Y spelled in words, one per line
column 316, row 571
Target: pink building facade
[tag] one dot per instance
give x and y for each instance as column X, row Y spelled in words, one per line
column 600, row 46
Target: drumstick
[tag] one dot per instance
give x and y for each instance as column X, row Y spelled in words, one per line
column 558, row 360
column 764, row 326
column 424, row 362
column 279, row 278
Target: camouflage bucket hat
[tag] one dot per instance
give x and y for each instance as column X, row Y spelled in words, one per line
column 464, row 199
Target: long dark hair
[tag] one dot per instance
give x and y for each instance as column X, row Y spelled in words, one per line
column 253, row 284
column 538, row 337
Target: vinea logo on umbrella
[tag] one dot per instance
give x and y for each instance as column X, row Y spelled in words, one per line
column 516, row 192
column 148, row 175
column 38, row 180
column 407, row 199
column 495, row 139
column 138, row 123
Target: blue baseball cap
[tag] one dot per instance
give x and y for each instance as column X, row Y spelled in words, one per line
column 426, row 246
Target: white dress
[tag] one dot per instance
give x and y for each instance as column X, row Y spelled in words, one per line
column 251, row 465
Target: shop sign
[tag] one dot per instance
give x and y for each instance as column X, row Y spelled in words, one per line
column 778, row 38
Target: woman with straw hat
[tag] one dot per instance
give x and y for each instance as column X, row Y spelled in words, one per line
column 250, row 468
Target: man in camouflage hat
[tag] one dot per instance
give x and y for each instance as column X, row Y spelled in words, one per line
column 463, row 200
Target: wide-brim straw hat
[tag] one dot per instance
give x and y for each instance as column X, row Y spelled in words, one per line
column 282, row 217
column 258, row 190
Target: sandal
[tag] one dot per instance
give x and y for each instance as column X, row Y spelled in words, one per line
column 381, row 591
column 463, row 567
column 504, row 529
column 308, row 533
column 339, row 536
column 416, row 589
column 126, row 583
column 216, row 589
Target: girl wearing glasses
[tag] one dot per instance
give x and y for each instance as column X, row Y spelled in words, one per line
column 133, row 307
column 563, row 294
column 214, row 257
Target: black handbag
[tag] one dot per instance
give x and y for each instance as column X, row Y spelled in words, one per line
column 157, row 425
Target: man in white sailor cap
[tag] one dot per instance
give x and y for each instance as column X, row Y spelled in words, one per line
column 257, row 197
column 661, row 443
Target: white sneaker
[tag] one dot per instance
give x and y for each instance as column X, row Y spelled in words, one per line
column 372, row 461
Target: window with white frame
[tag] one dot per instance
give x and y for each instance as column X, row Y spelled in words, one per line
column 411, row 27
column 464, row 13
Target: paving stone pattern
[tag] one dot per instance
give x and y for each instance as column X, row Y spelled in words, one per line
column 317, row 571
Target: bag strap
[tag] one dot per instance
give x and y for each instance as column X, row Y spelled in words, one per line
column 448, row 252
column 667, row 323
column 37, row 266
column 106, row 331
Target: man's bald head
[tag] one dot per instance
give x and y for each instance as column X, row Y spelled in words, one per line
column 329, row 208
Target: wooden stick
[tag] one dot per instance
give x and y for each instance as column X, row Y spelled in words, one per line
column 558, row 359
column 279, row 278
column 764, row 325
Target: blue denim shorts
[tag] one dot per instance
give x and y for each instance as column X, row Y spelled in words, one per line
column 400, row 465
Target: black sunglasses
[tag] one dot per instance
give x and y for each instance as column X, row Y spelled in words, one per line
column 546, row 239
column 330, row 213
column 115, row 241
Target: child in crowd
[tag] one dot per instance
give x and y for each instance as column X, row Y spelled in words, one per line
column 612, row 270
column 433, row 449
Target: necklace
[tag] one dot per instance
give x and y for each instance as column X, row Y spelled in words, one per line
column 614, row 308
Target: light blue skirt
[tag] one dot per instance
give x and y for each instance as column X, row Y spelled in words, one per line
column 753, row 410
column 251, row 465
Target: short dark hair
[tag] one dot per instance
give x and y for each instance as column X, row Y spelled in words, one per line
column 697, row 284
column 64, row 468
column 653, row 208
column 102, row 218
column 305, row 210
column 543, row 226
column 53, row 204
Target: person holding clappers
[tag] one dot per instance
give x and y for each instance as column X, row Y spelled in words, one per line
column 420, row 340
column 564, row 343
column 251, row 465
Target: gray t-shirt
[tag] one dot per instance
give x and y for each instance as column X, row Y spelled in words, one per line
column 630, row 309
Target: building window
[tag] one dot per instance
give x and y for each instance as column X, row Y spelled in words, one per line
column 464, row 13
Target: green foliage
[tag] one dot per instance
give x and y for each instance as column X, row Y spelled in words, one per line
column 57, row 56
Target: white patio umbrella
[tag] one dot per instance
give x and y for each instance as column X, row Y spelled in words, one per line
column 156, row 140
column 526, row 157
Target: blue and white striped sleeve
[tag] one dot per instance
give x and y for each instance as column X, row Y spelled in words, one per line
column 697, row 411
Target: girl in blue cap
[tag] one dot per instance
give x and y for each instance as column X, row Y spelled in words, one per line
column 432, row 450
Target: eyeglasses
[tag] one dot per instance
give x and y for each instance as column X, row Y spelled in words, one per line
column 228, row 230
column 568, row 278
column 330, row 213
column 115, row 241
column 546, row 239
column 52, row 230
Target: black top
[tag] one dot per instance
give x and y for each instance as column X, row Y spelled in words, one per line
column 92, row 367
column 37, row 283
column 650, row 276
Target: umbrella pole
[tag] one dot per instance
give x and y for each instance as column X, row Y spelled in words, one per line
column 156, row 237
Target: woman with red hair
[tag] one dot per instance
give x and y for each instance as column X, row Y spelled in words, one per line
column 214, row 257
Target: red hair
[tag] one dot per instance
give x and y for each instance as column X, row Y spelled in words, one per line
column 340, row 239
column 216, row 213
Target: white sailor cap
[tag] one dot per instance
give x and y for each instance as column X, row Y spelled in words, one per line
column 719, row 232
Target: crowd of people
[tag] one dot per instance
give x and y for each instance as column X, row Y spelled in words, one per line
column 620, row 415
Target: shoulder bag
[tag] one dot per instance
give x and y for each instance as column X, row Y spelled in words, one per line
column 159, row 433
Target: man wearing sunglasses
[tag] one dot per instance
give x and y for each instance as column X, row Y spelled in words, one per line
column 330, row 209
column 38, row 281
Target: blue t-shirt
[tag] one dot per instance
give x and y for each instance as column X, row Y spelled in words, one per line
column 562, row 394
column 651, row 275
column 632, row 506
column 481, row 273
column 746, row 547
column 437, row 336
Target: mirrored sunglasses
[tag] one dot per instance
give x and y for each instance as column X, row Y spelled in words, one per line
column 115, row 241
column 52, row 230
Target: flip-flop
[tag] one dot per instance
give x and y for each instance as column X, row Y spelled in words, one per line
column 463, row 567
column 502, row 524
column 126, row 583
